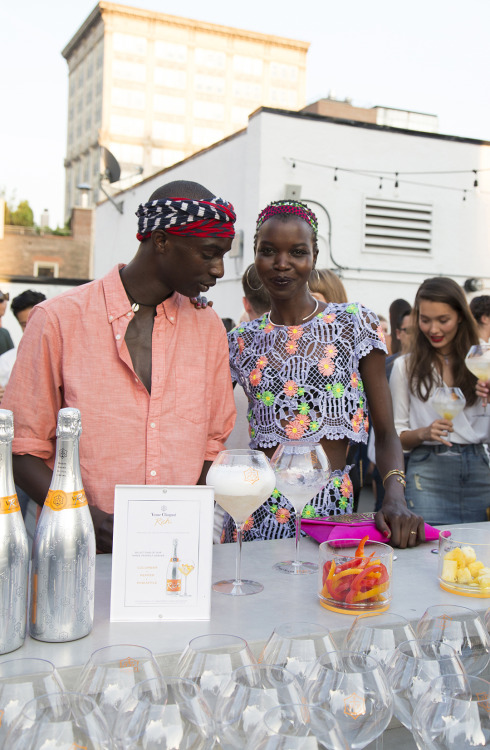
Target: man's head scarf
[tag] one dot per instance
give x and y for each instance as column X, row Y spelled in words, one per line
column 186, row 217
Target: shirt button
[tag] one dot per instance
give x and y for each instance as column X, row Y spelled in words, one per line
column 153, row 473
column 152, row 424
column 171, row 318
column 118, row 336
column 128, row 315
column 111, row 317
column 136, row 380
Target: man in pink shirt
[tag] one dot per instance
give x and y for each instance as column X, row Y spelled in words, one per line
column 148, row 371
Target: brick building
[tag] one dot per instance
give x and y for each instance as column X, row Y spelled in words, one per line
column 25, row 253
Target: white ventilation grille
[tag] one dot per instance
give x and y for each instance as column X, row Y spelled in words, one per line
column 394, row 226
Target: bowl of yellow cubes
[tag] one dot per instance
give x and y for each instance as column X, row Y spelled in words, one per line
column 464, row 561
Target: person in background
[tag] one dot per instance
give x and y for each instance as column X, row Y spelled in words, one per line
column 256, row 302
column 148, row 372
column 21, row 306
column 307, row 369
column 6, row 342
column 448, row 474
column 397, row 308
column 326, row 286
column 228, row 323
column 385, row 328
column 403, row 338
column 480, row 308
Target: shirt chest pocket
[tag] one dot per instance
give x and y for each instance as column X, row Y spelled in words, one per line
column 189, row 397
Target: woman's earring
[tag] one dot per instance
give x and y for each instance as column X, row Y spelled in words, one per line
column 317, row 275
column 253, row 288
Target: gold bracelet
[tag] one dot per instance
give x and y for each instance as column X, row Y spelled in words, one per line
column 398, row 473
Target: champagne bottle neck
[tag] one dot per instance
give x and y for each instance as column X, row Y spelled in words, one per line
column 7, row 486
column 66, row 472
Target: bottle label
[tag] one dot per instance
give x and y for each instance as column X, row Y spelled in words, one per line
column 173, row 585
column 9, row 504
column 59, row 500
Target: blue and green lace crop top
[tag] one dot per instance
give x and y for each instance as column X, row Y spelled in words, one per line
column 303, row 381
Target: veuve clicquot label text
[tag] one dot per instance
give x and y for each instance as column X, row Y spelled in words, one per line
column 9, row 504
column 59, row 500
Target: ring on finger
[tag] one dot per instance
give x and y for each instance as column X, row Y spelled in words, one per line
column 413, row 532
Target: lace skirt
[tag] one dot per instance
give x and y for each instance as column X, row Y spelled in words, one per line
column 275, row 519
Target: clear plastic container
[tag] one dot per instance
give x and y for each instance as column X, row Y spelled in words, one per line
column 464, row 561
column 356, row 585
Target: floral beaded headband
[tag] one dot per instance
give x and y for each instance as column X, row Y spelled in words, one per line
column 295, row 208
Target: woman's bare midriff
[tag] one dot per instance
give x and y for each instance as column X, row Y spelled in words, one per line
column 336, row 451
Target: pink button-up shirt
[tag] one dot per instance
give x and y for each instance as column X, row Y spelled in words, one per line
column 73, row 353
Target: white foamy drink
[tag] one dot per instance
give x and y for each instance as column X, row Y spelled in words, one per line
column 240, row 489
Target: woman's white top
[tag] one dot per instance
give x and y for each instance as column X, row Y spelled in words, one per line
column 472, row 425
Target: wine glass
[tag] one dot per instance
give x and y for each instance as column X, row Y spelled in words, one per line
column 448, row 403
column 60, row 720
column 302, row 469
column 353, row 687
column 209, row 661
column 186, row 567
column 478, row 362
column 379, row 637
column 461, row 628
column 454, row 714
column 297, row 726
column 487, row 620
column 163, row 715
column 111, row 673
column 296, row 646
column 21, row 681
column 412, row 667
column 242, row 481
column 247, row 696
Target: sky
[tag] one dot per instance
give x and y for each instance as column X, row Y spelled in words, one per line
column 424, row 55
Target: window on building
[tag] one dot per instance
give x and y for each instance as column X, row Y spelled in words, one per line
column 164, row 157
column 45, row 269
column 128, row 98
column 209, row 110
column 239, row 115
column 206, row 136
column 210, row 58
column 127, row 153
column 251, row 66
column 168, row 131
column 172, row 79
column 128, row 71
column 99, row 55
column 246, row 90
column 129, row 43
column 284, row 72
column 122, row 125
column 168, row 51
column 172, row 105
column 209, row 84
column 281, row 97
column 397, row 226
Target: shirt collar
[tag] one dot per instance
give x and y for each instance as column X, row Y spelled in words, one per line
column 118, row 304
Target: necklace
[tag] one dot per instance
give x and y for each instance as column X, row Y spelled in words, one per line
column 302, row 319
column 135, row 306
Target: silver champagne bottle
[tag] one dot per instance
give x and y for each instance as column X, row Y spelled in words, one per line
column 63, row 551
column 14, row 550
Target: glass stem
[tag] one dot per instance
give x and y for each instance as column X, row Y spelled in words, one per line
column 239, row 535
column 298, row 536
column 185, row 586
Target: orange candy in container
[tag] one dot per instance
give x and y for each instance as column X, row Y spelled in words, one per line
column 355, row 576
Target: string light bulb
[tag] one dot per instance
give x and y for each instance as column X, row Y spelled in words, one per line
column 396, row 180
column 335, row 178
column 380, row 183
column 475, row 184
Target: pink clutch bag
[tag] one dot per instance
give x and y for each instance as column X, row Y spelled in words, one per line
column 351, row 526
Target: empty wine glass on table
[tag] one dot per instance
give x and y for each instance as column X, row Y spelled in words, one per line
column 412, row 668
column 242, row 481
column 463, row 629
column 111, row 673
column 296, row 646
column 378, row 636
column 164, row 714
column 186, row 567
column 454, row 714
column 478, row 362
column 353, row 688
column 296, row 726
column 58, row 721
column 209, row 661
column 21, row 681
column 302, row 469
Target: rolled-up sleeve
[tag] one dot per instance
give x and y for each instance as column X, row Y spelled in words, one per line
column 400, row 395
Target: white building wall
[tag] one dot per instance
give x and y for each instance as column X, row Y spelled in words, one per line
column 255, row 167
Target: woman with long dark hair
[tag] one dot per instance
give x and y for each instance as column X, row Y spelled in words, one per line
column 448, row 474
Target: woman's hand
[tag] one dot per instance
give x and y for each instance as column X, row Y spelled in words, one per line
column 200, row 303
column 438, row 430
column 482, row 389
column 401, row 527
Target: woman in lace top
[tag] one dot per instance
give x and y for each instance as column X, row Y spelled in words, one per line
column 308, row 369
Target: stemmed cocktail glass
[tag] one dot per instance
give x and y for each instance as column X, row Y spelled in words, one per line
column 302, row 470
column 186, row 567
column 448, row 402
column 478, row 362
column 242, row 481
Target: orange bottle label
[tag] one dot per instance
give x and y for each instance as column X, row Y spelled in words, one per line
column 173, row 584
column 59, row 500
column 9, row 504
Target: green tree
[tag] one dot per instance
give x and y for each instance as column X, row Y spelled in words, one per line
column 22, row 216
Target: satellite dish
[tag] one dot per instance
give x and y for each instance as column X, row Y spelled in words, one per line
column 111, row 168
